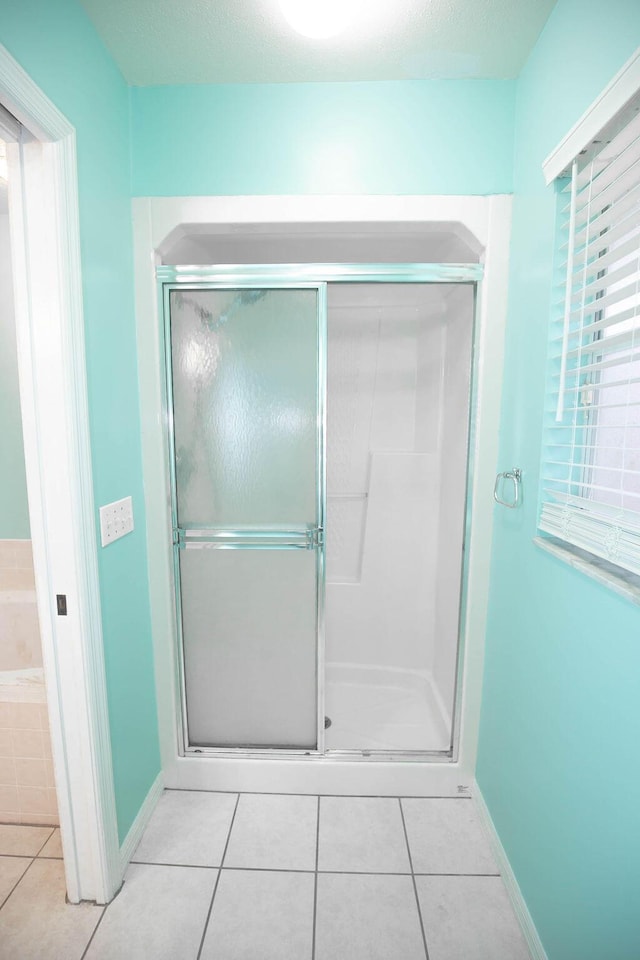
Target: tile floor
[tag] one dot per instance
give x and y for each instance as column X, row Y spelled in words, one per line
column 221, row 876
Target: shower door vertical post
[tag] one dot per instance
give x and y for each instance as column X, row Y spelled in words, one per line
column 322, row 506
column 245, row 381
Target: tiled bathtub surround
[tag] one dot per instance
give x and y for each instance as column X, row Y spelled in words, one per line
column 19, row 629
column 27, row 791
column 16, row 565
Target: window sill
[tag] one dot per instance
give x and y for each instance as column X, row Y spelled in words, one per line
column 621, row 581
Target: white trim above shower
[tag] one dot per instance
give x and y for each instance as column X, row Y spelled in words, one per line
column 477, row 224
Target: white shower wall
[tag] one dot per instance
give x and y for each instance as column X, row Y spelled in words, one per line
column 396, row 432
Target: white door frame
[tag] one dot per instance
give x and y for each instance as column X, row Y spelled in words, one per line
column 488, row 221
column 45, row 246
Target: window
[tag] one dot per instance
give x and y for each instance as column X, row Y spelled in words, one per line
column 591, row 476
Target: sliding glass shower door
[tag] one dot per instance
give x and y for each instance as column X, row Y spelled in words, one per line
column 245, row 384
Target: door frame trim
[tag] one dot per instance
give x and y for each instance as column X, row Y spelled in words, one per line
column 45, row 245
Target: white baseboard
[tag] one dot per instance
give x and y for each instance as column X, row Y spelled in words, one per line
column 137, row 828
column 509, row 879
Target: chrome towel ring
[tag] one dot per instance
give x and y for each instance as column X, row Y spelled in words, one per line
column 513, row 476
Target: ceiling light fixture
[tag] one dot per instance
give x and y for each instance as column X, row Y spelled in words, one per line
column 320, row 19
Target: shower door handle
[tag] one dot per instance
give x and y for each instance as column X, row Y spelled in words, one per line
column 306, row 538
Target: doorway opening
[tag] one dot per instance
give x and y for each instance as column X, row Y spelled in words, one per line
column 49, row 327
column 27, row 786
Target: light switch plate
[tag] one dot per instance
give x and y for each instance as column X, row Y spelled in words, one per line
column 116, row 520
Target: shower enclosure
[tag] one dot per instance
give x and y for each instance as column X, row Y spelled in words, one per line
column 319, row 434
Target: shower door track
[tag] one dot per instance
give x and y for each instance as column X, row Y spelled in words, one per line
column 298, row 275
column 281, row 274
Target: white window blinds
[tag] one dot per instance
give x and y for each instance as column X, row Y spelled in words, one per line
column 591, row 473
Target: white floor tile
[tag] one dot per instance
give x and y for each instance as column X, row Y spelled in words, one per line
column 274, row 833
column 469, row 917
column 53, row 846
column 446, row 836
column 188, row 828
column 367, row 918
column 37, row 924
column 362, row 833
column 19, row 841
column 11, row 869
column 260, row 914
column 160, row 913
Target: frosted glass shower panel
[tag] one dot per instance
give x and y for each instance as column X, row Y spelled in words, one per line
column 249, row 620
column 245, row 406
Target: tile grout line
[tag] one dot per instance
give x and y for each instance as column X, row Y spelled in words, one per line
column 45, row 842
column 95, row 929
column 315, row 882
column 215, row 886
column 25, row 856
column 17, row 882
column 413, row 880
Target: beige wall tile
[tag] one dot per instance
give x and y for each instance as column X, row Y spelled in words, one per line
column 25, row 716
column 51, row 780
column 46, row 744
column 43, row 819
column 31, row 773
column 6, row 743
column 23, row 553
column 20, row 627
column 34, row 800
column 8, row 801
column 8, row 771
column 44, row 716
column 10, row 816
column 28, row 743
column 16, row 578
column 5, row 713
column 7, row 553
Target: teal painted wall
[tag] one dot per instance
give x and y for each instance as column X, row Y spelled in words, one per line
column 441, row 137
column 561, row 707
column 56, row 44
column 14, row 510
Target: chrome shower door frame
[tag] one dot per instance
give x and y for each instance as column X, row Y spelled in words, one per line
column 297, row 538
column 316, row 276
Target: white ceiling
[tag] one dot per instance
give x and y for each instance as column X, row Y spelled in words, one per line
column 248, row 41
